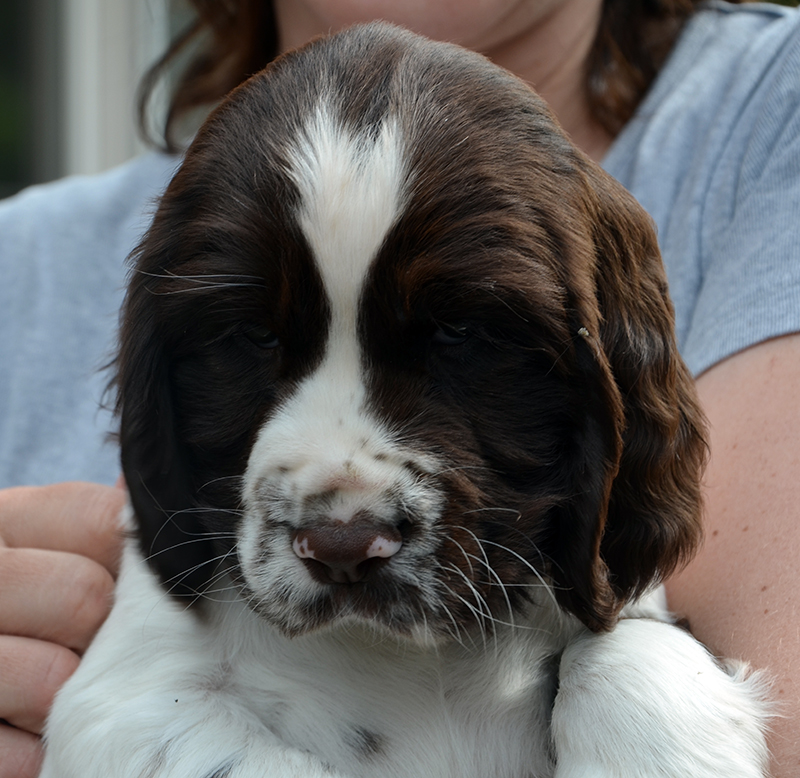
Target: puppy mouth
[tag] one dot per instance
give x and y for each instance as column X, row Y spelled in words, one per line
column 324, row 573
column 409, row 582
column 403, row 555
column 376, row 601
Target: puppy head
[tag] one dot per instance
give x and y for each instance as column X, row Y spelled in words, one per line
column 394, row 350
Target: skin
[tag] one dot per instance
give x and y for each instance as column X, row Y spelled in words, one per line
column 545, row 42
column 59, row 548
column 740, row 592
column 59, row 544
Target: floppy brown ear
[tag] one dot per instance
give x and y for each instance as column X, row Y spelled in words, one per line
column 155, row 466
column 647, row 419
column 654, row 514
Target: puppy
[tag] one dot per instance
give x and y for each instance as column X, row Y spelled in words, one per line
column 409, row 448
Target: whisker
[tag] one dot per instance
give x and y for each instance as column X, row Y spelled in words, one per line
column 455, row 635
column 221, row 478
column 458, row 468
column 207, row 509
column 466, row 555
column 493, row 510
column 179, row 578
column 194, row 537
column 494, row 619
column 205, row 288
column 522, row 559
column 170, row 275
column 480, row 617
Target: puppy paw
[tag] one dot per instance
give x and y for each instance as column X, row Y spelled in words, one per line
column 648, row 701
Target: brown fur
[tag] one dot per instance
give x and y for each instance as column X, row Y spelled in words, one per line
column 570, row 423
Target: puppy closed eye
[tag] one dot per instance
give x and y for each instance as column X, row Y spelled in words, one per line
column 447, row 334
column 261, row 336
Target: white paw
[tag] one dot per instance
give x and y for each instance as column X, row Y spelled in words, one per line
column 648, row 701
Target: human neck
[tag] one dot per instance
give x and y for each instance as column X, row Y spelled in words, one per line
column 551, row 56
column 546, row 43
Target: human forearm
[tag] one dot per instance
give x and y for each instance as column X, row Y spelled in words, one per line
column 741, row 593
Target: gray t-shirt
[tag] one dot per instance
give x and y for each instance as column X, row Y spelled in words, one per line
column 62, row 275
column 713, row 154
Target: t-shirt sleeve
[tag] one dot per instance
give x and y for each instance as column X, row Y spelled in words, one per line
column 62, row 263
column 750, row 235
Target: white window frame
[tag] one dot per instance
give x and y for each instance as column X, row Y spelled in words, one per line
column 108, row 45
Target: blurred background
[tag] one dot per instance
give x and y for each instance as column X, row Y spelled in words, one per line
column 69, row 71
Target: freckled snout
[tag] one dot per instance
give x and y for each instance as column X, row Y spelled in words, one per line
column 345, row 552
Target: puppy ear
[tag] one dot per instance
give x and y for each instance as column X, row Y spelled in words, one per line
column 155, row 465
column 646, row 430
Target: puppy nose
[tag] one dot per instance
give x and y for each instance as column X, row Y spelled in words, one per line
column 345, row 552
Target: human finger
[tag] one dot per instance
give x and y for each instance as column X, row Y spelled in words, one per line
column 32, row 672
column 53, row 596
column 76, row 517
column 20, row 753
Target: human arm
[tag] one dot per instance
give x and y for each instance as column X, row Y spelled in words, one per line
column 741, row 594
column 58, row 556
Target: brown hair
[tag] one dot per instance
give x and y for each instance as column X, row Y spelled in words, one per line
column 230, row 40
column 633, row 40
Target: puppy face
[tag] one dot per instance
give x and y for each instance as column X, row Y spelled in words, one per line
column 394, row 351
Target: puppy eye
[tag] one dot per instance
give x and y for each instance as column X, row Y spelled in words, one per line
column 450, row 334
column 261, row 336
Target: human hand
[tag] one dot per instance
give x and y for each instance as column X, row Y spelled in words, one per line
column 59, row 549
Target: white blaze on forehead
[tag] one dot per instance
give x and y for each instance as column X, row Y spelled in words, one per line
column 351, row 193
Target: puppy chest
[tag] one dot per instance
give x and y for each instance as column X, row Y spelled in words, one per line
column 378, row 715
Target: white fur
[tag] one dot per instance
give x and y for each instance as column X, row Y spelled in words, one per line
column 352, row 190
column 655, row 686
column 163, row 694
column 323, row 439
column 157, row 684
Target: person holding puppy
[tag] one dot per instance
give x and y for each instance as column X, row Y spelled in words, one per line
column 696, row 111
